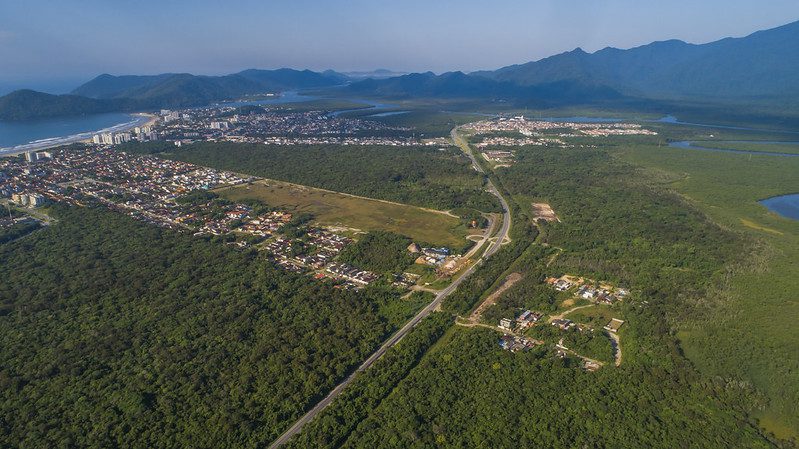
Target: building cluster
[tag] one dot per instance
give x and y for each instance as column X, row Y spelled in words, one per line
column 351, row 274
column 385, row 141
column 515, row 343
column 155, row 191
column 276, row 127
column 500, row 157
column 591, row 290
column 406, row 280
column 144, row 187
column 139, row 134
column 539, row 130
column 28, row 199
column 498, row 141
column 523, row 321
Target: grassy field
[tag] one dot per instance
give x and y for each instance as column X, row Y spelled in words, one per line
column 746, row 332
column 336, row 209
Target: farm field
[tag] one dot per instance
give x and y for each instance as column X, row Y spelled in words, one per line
column 364, row 214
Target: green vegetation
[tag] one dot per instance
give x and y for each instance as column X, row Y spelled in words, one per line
column 594, row 344
column 29, row 104
column 750, row 146
column 116, row 333
column 334, row 425
column 379, row 251
column 617, row 225
column 337, row 209
column 422, row 176
column 17, row 230
column 467, row 393
column 744, row 331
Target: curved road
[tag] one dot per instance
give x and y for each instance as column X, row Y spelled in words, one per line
column 500, row 237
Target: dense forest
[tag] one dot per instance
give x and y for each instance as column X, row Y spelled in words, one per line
column 379, row 251
column 422, row 176
column 467, row 392
column 115, row 333
column 17, row 230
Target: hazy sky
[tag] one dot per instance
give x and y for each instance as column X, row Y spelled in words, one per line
column 48, row 43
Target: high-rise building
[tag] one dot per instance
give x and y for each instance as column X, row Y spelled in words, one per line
column 121, row 138
column 31, row 156
column 35, row 200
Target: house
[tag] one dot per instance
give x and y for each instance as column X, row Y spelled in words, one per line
column 590, row 365
column 527, row 319
column 562, row 285
column 414, row 248
column 563, row 323
column 506, row 323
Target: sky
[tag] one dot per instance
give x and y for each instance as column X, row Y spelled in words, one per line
column 56, row 45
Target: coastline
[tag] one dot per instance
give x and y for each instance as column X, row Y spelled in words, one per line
column 138, row 119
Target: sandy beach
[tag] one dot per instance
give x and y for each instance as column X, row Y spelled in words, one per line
column 139, row 119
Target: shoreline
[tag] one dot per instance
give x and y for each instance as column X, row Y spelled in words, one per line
column 138, row 119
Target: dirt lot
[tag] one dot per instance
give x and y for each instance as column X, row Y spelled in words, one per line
column 544, row 212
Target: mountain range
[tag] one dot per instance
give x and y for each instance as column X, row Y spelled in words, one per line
column 107, row 93
column 762, row 68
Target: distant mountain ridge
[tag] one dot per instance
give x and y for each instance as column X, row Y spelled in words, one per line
column 760, row 69
column 184, row 89
column 763, row 65
column 107, row 93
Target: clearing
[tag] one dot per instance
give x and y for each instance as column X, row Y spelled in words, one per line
column 493, row 297
column 543, row 211
column 364, row 214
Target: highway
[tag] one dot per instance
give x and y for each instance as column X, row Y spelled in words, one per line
column 394, row 339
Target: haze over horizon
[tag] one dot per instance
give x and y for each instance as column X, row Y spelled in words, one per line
column 65, row 46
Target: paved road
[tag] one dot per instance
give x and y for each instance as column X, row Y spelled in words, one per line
column 500, row 237
column 506, row 220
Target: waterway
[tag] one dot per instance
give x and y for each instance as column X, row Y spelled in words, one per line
column 689, row 145
column 785, row 205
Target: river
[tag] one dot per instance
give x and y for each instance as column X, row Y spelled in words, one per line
column 689, row 145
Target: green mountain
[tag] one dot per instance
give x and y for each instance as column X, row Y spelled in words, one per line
column 460, row 85
column 28, row 104
column 184, row 89
column 761, row 67
column 107, row 93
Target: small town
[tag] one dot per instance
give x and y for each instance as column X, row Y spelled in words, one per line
column 561, row 129
column 169, row 194
column 256, row 124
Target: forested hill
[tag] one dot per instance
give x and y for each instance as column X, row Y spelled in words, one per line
column 28, row 104
column 108, row 93
column 761, row 66
column 759, row 69
column 181, row 88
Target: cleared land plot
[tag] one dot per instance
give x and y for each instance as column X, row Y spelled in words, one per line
column 512, row 279
column 336, row 209
column 543, row 211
